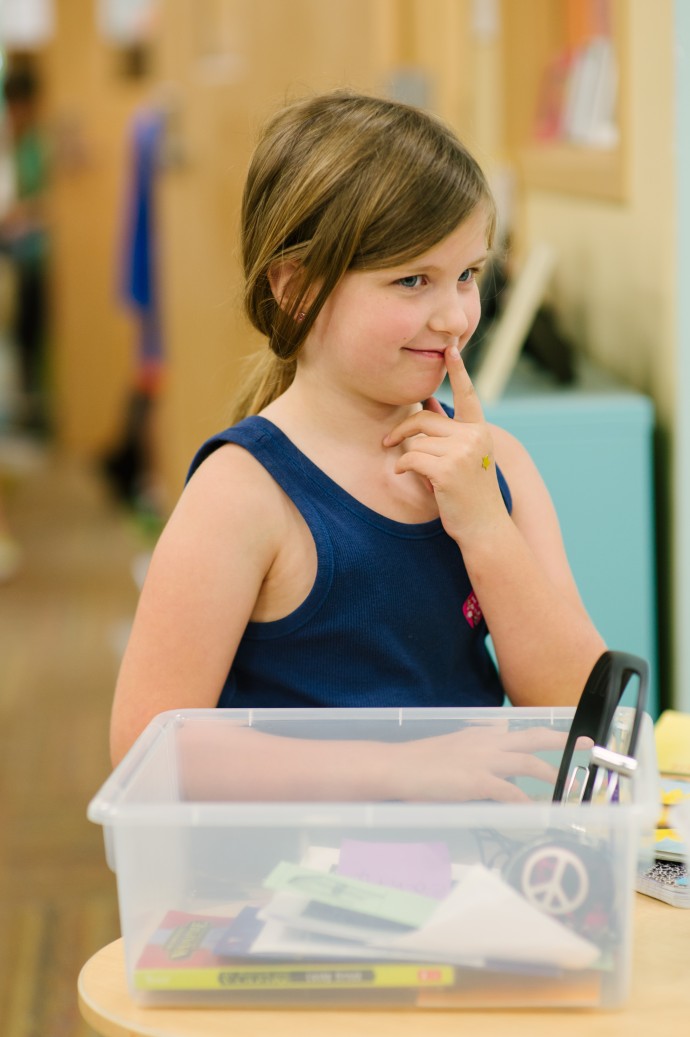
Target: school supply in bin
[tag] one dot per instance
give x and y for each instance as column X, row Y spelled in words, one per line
column 373, row 913
column 376, row 914
column 325, row 929
column 435, row 904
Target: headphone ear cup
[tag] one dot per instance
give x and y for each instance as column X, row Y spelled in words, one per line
column 566, row 879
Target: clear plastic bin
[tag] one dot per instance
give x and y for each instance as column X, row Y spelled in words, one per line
column 353, row 857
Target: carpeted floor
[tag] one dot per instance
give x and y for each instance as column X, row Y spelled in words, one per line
column 63, row 621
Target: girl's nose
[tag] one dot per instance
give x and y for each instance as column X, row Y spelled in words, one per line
column 450, row 317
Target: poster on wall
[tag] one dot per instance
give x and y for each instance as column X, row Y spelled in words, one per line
column 26, row 24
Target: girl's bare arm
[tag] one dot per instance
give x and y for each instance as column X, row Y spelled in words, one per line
column 203, row 581
column 545, row 642
column 222, row 761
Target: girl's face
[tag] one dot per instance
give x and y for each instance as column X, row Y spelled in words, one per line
column 382, row 333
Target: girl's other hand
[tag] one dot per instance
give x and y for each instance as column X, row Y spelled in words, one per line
column 454, row 455
column 476, row 763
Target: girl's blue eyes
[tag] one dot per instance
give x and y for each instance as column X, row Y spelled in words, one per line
column 415, row 280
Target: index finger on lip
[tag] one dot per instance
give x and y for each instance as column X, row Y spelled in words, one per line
column 465, row 400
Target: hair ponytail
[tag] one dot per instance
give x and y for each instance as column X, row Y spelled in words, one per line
column 268, row 379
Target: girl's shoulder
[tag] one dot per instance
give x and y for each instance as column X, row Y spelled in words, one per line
column 230, row 477
column 243, row 434
column 230, row 520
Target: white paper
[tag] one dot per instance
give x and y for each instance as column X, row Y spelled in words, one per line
column 484, row 917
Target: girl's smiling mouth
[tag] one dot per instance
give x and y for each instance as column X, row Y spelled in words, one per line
column 434, row 354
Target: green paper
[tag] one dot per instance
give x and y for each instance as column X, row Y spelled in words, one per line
column 395, row 905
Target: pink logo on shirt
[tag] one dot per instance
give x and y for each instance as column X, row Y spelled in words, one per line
column 472, row 611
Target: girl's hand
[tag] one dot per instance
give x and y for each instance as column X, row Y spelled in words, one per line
column 455, row 456
column 476, row 763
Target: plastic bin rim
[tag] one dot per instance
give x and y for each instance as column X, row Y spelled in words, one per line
column 460, row 815
column 106, row 807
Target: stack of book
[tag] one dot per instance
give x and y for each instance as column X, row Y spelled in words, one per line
column 433, row 934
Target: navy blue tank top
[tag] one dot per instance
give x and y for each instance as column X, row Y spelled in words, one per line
column 391, row 619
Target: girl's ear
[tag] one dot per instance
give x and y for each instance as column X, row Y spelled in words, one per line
column 282, row 278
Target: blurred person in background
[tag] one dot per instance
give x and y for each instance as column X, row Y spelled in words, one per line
column 130, row 466
column 23, row 238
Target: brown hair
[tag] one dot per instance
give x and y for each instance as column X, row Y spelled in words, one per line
column 342, row 182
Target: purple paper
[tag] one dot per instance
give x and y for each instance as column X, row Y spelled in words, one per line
column 422, row 868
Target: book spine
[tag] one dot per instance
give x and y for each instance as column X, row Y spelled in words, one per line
column 336, row 977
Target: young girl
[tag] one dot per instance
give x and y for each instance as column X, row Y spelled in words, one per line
column 347, row 542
